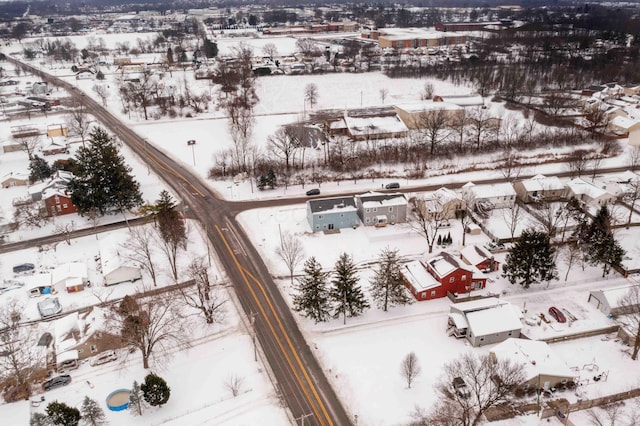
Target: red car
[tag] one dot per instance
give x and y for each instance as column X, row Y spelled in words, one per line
column 557, row 314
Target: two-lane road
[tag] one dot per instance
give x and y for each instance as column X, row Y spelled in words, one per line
column 300, row 380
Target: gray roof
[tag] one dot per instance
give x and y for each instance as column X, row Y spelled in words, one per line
column 376, row 196
column 325, row 204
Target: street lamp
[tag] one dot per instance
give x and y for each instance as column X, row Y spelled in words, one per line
column 191, row 143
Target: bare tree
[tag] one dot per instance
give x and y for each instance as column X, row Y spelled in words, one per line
column 29, row 144
column 511, row 168
column 308, row 47
column 102, row 92
column 428, row 218
column 283, row 144
column 311, row 94
column 578, row 162
column 410, row 368
column 141, row 91
column 384, row 92
column 291, row 252
column 234, row 384
column 512, row 217
column 480, row 126
column 154, row 325
column 432, row 128
column 427, row 92
column 631, row 197
column 66, row 230
column 571, row 253
column 488, row 382
column 206, row 297
column 549, row 216
column 79, row 121
column 629, row 316
column 29, row 215
column 139, row 248
column 20, row 357
column 634, row 157
column 270, row 50
column 596, row 118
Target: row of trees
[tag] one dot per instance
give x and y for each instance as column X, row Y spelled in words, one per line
column 322, row 295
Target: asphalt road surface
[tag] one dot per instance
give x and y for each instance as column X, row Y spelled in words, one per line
column 301, row 383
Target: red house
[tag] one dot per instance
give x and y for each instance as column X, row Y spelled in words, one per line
column 441, row 274
column 58, row 202
column 479, row 257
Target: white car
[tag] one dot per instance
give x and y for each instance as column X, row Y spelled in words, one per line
column 104, row 357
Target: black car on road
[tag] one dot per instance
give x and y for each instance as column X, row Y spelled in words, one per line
column 314, row 191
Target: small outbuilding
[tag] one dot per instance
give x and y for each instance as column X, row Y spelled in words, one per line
column 609, row 301
column 116, row 267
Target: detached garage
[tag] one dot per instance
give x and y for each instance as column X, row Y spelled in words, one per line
column 609, row 301
column 114, row 262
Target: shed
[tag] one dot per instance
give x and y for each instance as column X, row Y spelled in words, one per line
column 115, row 266
column 608, row 301
column 71, row 275
column 542, row 368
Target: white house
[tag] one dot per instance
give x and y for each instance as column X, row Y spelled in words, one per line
column 115, row 265
column 73, row 276
column 589, row 193
column 484, row 321
column 498, row 195
column 539, row 187
column 608, row 301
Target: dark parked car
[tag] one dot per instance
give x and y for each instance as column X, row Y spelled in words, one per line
column 314, row 191
column 392, row 185
column 460, row 387
column 557, row 314
column 23, row 267
column 57, row 381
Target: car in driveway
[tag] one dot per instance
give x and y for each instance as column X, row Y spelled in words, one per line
column 494, row 246
column 57, row 381
column 23, row 268
column 103, row 358
column 557, row 314
column 314, row 191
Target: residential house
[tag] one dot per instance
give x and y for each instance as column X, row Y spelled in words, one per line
column 14, row 179
column 115, row 263
column 609, row 301
column 484, row 321
column 445, row 273
column 327, row 214
column 543, row 369
column 444, row 203
column 498, row 195
column 619, row 184
column 480, row 257
column 73, row 276
column 58, row 202
column 58, row 181
column 588, row 193
column 627, row 127
column 416, row 114
column 378, row 209
column 539, row 187
column 82, row 335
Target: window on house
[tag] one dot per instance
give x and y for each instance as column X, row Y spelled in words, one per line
column 58, row 208
column 375, row 209
column 80, row 351
column 451, row 279
column 65, row 205
column 464, row 278
column 321, row 217
column 56, row 199
column 433, row 292
column 367, row 220
column 424, row 294
column 367, row 210
column 390, row 209
column 330, row 226
column 93, row 349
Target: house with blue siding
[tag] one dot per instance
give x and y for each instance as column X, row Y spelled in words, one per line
column 326, row 214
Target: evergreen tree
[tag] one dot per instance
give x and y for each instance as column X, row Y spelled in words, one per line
column 39, row 419
column 532, row 259
column 92, row 414
column 61, row 414
column 313, row 296
column 210, row 48
column 449, row 239
column 155, row 390
column 135, row 399
column 271, row 178
column 439, row 242
column 345, row 293
column 170, row 59
column 598, row 243
column 103, row 181
column 262, row 183
column 99, row 75
column 387, row 286
column 39, row 168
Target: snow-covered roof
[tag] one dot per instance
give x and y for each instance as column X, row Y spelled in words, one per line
column 624, row 122
column 418, row 276
column 364, row 126
column 111, row 249
column 580, row 186
column 477, row 304
column 536, row 358
column 70, row 270
column 376, row 199
column 444, row 195
column 424, row 106
column 475, row 254
column 542, row 183
column 67, row 356
column 323, row 205
column 490, row 191
column 443, row 264
column 15, row 175
column 613, row 295
column 496, row 319
column 43, row 279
